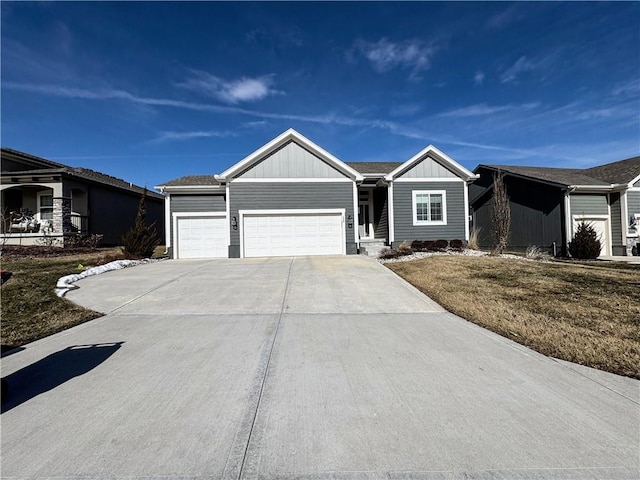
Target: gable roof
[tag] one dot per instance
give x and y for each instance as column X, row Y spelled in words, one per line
column 615, row 173
column 437, row 155
column 48, row 167
column 623, row 171
column 279, row 141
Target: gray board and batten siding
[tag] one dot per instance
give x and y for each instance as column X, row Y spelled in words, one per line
column 428, row 168
column 633, row 202
column 588, row 204
column 380, row 213
column 404, row 230
column 288, row 196
column 537, row 216
column 291, row 161
column 617, row 244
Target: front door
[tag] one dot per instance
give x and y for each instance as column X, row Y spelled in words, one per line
column 365, row 221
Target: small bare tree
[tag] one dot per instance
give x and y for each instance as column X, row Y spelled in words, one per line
column 501, row 213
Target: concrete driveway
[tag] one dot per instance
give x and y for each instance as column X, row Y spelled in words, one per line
column 300, row 368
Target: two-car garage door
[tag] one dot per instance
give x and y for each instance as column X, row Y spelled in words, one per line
column 262, row 234
column 277, row 234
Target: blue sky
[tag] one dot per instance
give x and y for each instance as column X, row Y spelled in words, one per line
column 153, row 91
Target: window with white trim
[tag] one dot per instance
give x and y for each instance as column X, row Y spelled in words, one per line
column 45, row 206
column 429, row 207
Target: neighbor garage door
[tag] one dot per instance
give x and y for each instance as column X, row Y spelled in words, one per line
column 277, row 235
column 201, row 237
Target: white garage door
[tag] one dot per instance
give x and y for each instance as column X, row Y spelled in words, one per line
column 201, row 237
column 601, row 226
column 277, row 235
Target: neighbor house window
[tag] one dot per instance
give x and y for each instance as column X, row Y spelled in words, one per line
column 429, row 207
column 45, row 207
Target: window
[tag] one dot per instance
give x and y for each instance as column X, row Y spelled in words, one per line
column 429, row 207
column 45, row 206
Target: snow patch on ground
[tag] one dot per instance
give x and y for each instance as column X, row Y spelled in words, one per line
column 452, row 253
column 65, row 283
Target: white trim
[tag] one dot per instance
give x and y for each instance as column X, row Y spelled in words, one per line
column 430, row 179
column 606, row 218
column 167, row 221
column 634, row 181
column 302, row 211
column 39, row 195
column 227, row 202
column 436, row 155
column 414, row 217
column 283, row 138
column 291, row 180
column 390, row 213
column 466, row 211
column 177, row 215
column 356, row 215
column 568, row 226
column 633, row 189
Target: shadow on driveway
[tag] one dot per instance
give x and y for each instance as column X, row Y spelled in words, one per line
column 51, row 371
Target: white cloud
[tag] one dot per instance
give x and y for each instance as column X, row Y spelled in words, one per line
column 244, row 89
column 482, row 109
column 478, row 78
column 168, row 136
column 508, row 16
column 385, row 55
column 521, row 65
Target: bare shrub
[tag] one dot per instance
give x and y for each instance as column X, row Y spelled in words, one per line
column 474, row 237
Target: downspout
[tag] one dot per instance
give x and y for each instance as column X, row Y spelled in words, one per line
column 167, row 220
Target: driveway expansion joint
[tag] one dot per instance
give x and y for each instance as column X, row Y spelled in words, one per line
column 238, row 455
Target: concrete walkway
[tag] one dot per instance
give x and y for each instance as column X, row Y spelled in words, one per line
column 300, row 368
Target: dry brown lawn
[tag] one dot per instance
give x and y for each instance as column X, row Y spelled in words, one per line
column 583, row 313
column 30, row 308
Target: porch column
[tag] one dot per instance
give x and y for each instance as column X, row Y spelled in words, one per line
column 62, row 214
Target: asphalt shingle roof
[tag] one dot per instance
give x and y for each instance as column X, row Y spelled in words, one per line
column 192, row 180
column 374, row 167
column 562, row 176
column 78, row 172
column 621, row 172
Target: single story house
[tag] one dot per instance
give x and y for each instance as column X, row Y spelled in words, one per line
column 548, row 203
column 292, row 197
column 41, row 198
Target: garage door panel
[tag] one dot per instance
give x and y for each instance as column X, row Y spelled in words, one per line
column 601, row 226
column 293, row 234
column 201, row 237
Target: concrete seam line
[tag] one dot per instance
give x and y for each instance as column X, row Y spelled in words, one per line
column 164, row 284
column 236, row 460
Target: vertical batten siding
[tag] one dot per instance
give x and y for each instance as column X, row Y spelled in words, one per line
column 589, row 204
column 195, row 203
column 616, row 225
column 633, row 202
column 428, row 168
column 380, row 213
column 403, row 212
column 292, row 161
column 291, row 196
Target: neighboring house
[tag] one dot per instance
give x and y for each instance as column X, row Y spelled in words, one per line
column 548, row 203
column 53, row 200
column 291, row 197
